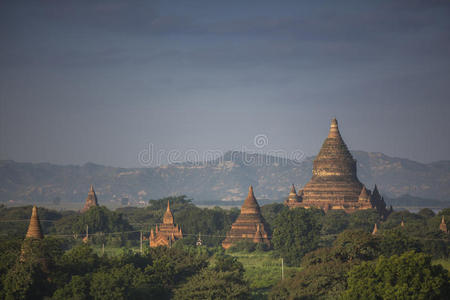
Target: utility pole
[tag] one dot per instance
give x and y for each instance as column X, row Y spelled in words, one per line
column 141, row 242
column 282, row 269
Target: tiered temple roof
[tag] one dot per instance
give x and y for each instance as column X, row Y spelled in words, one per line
column 34, row 229
column 91, row 200
column 334, row 184
column 167, row 232
column 250, row 225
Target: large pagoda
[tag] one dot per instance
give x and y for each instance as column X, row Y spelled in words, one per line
column 167, row 232
column 334, row 184
column 249, row 225
column 91, row 200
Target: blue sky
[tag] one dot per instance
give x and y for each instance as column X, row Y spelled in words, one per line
column 98, row 80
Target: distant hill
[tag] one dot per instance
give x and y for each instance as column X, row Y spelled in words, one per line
column 417, row 202
column 223, row 179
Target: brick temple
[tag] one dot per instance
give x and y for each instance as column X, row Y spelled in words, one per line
column 167, row 232
column 250, row 224
column 334, row 183
column 91, row 200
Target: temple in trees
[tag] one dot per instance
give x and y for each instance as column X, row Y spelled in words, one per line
column 91, row 200
column 167, row 232
column 334, row 184
column 249, row 225
column 34, row 235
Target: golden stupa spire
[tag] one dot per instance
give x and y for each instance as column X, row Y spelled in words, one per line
column 34, row 229
column 334, row 129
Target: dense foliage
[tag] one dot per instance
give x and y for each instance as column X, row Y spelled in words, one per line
column 82, row 274
column 408, row 276
column 296, row 232
column 223, row 281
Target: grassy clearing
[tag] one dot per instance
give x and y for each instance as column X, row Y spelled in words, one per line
column 262, row 271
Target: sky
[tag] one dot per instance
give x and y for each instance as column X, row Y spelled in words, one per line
column 108, row 81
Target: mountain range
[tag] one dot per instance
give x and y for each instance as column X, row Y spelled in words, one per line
column 224, row 179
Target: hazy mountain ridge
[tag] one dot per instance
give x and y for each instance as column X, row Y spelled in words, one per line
column 226, row 178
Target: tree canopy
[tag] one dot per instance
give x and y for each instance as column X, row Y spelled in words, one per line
column 296, row 232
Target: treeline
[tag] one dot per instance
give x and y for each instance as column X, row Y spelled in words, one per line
column 338, row 255
column 45, row 270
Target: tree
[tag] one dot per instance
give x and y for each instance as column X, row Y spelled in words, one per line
column 334, row 222
column 77, row 289
column 297, row 231
column 223, row 281
column 397, row 241
column 426, row 213
column 355, row 244
column 363, row 219
column 211, row 223
column 409, row 276
column 319, row 281
column 26, row 280
column 119, row 283
column 100, row 219
column 270, row 213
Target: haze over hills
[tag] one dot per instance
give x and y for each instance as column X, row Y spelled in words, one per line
column 224, row 179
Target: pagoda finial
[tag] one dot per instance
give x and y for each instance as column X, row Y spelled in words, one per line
column 293, row 189
column 34, row 229
column 168, row 217
column 402, row 223
column 292, row 195
column 334, row 130
column 91, row 200
column 250, row 192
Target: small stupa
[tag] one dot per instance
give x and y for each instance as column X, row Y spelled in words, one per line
column 293, row 197
column 91, row 200
column 34, row 229
column 34, row 236
column 250, row 224
column 167, row 232
column 443, row 225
